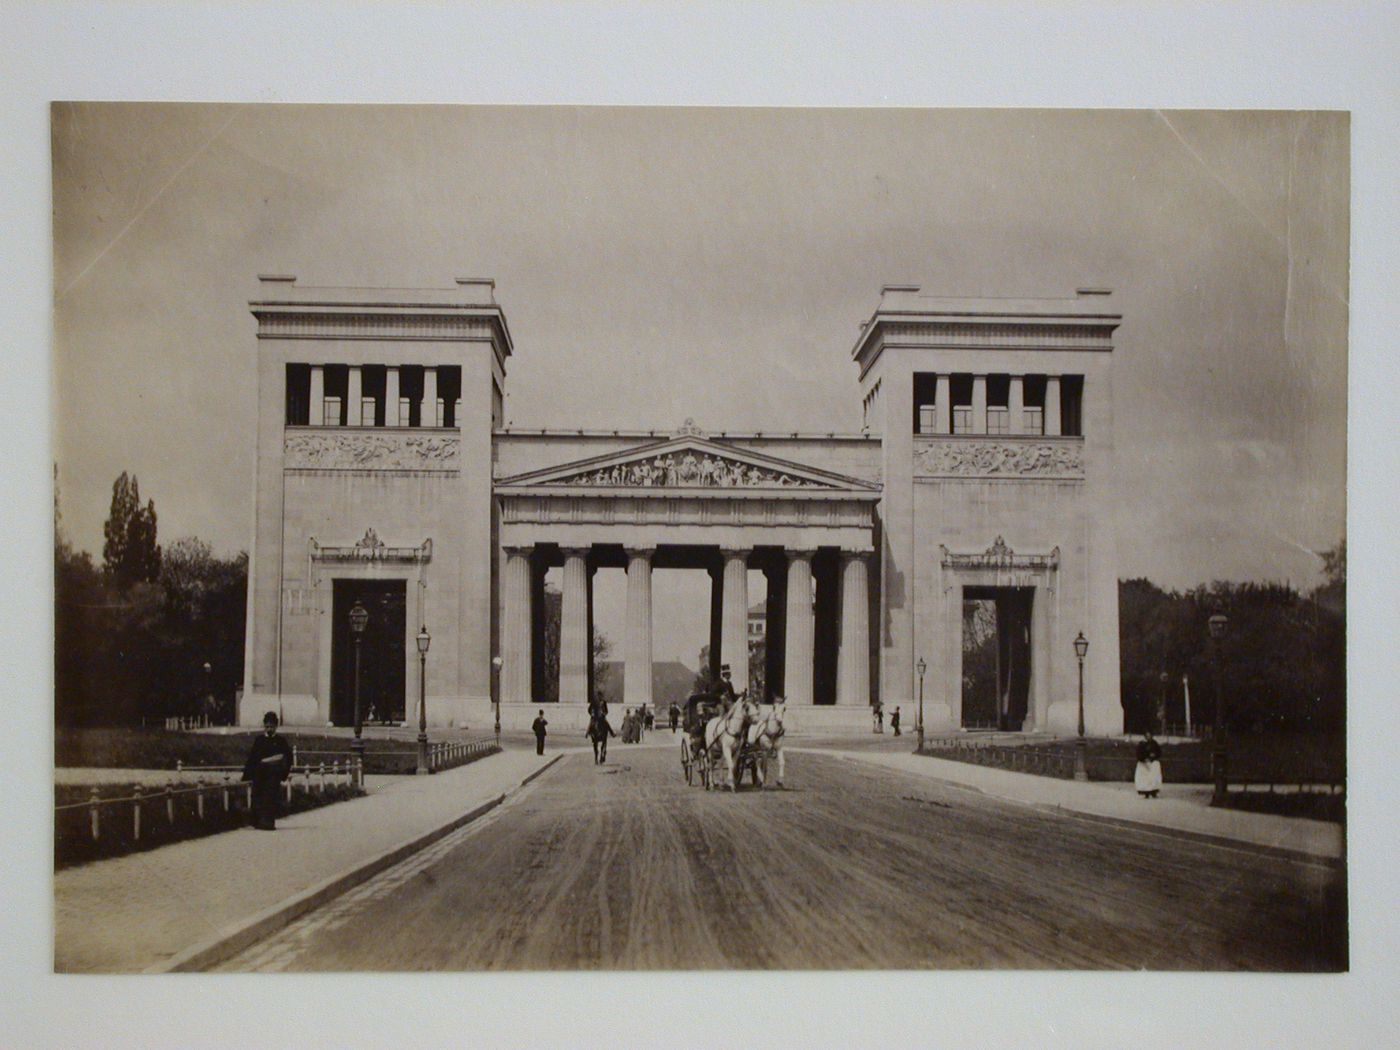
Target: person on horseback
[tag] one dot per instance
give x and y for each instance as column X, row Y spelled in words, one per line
column 598, row 732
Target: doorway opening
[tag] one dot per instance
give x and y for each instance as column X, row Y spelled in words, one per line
column 996, row 641
column 382, row 651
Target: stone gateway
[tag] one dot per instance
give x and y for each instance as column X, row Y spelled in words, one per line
column 966, row 529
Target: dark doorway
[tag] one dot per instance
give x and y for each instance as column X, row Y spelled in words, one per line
column 996, row 657
column 381, row 652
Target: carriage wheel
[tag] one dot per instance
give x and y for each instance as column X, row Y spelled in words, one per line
column 686, row 763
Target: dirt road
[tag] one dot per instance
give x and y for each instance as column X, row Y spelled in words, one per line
column 623, row 866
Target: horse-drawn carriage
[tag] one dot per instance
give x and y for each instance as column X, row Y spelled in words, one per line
column 722, row 742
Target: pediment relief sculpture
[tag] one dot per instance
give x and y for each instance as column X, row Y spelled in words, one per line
column 687, row 470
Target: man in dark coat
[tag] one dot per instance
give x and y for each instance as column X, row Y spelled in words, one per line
column 675, row 714
column 894, row 721
column 539, row 726
column 269, row 763
column 725, row 688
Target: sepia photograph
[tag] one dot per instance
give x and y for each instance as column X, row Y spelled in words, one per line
column 577, row 538
column 641, row 525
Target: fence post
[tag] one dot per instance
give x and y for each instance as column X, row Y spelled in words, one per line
column 248, row 796
column 93, row 808
column 359, row 772
column 199, row 798
column 136, row 815
column 225, row 796
column 321, row 778
column 169, row 804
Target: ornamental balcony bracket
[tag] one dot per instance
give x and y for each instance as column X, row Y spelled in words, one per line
column 1001, row 557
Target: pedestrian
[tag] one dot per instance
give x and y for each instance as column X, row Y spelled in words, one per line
column 894, row 721
column 1147, row 777
column 879, row 710
column 538, row 725
column 649, row 718
column 675, row 716
column 269, row 762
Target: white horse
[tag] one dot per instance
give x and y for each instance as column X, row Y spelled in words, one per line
column 766, row 741
column 729, row 732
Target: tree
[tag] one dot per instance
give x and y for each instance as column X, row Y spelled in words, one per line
column 130, row 554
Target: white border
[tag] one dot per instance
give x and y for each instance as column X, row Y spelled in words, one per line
column 1310, row 56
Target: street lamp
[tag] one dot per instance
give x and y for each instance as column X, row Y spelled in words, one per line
column 208, row 693
column 424, row 640
column 1081, row 771
column 359, row 617
column 496, row 662
column 1219, row 625
column 1162, row 704
column 921, row 667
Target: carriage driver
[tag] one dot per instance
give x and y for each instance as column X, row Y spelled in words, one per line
column 725, row 689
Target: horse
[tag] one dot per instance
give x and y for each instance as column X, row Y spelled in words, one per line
column 765, row 740
column 729, row 731
column 598, row 732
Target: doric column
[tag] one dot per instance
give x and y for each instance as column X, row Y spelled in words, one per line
column 391, row 397
column 352, row 398
column 953, row 654
column 517, row 629
column 317, row 417
column 797, row 668
column 943, row 405
column 1016, row 407
column 427, row 411
column 979, row 404
column 853, row 658
column 573, row 628
column 636, row 673
column 1052, row 406
column 774, row 629
column 734, row 634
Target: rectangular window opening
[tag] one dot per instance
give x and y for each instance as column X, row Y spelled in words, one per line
column 298, row 408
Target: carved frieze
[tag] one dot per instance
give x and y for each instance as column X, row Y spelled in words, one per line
column 364, row 450
column 687, row 470
column 1005, row 458
column 1001, row 557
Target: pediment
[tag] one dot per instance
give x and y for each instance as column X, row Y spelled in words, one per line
column 687, row 462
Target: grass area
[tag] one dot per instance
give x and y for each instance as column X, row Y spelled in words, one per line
column 120, row 747
column 74, row 844
column 1291, row 759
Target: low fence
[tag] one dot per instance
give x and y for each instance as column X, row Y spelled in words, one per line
column 1058, row 761
column 101, row 826
column 184, row 723
column 441, row 756
column 1021, row 758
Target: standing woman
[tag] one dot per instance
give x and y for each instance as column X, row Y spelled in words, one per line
column 1147, row 777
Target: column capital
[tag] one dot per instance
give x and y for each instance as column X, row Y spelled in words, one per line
column 730, row 553
column 518, row 550
column 800, row 553
column 856, row 554
column 640, row 552
column 575, row 552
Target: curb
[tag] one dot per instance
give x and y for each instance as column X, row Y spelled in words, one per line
column 235, row 938
column 1146, row 827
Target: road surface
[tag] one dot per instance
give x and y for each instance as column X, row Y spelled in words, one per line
column 623, row 866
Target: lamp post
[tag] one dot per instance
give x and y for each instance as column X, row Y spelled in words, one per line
column 208, row 693
column 424, row 640
column 359, row 617
column 1081, row 770
column 921, row 667
column 1162, row 704
column 1219, row 625
column 496, row 693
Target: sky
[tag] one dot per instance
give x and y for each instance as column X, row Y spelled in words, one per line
column 721, row 261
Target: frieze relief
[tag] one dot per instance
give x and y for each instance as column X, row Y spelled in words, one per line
column 358, row 450
column 688, row 471
column 1000, row 459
